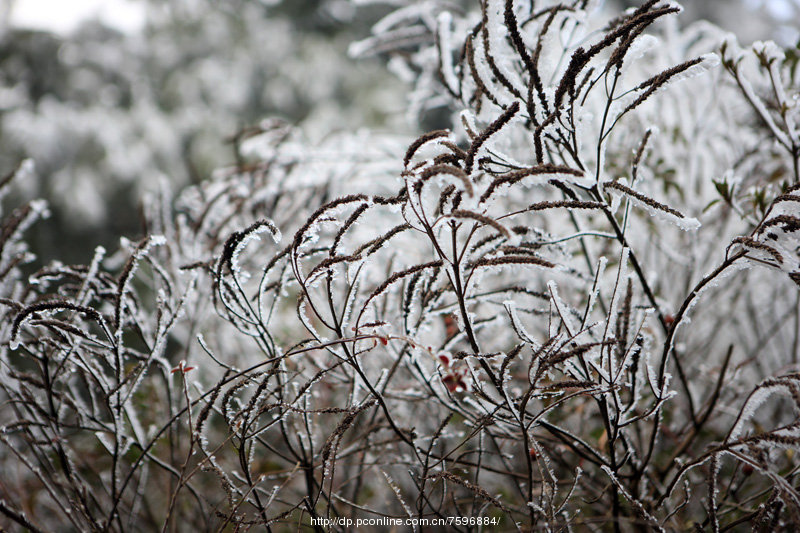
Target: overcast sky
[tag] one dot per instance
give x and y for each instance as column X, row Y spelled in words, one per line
column 64, row 15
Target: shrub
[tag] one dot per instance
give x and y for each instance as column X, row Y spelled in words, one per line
column 492, row 322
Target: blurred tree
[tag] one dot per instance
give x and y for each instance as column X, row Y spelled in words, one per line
column 105, row 114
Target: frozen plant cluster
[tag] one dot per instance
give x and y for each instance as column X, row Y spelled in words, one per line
column 576, row 307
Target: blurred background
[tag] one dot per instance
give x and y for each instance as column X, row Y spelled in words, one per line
column 111, row 98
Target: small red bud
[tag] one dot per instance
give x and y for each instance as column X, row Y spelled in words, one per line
column 182, row 368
